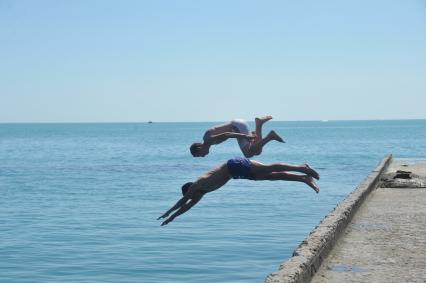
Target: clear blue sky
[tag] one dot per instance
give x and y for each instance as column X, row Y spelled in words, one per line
column 100, row 61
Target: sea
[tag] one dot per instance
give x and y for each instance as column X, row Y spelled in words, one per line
column 79, row 202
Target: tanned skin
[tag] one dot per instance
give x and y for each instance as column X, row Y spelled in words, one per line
column 221, row 133
column 219, row 176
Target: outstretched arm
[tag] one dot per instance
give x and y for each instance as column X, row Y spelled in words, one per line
column 184, row 208
column 178, row 204
column 224, row 136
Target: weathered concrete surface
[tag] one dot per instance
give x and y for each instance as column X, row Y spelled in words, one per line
column 386, row 240
column 308, row 257
column 402, row 174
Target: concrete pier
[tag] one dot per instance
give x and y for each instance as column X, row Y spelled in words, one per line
column 386, row 240
column 377, row 234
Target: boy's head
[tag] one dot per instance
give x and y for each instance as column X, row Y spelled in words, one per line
column 199, row 149
column 185, row 187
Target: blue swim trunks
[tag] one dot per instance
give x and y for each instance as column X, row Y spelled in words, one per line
column 240, row 168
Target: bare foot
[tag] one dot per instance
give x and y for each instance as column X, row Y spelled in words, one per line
column 260, row 120
column 274, row 136
column 311, row 183
column 311, row 172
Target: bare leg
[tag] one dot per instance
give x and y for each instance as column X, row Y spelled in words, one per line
column 258, row 132
column 284, row 176
column 259, row 123
column 259, row 142
column 312, row 172
column 272, row 136
column 261, row 169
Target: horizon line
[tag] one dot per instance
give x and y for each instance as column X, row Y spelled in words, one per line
column 211, row 121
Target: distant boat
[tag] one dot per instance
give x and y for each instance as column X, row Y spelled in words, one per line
column 149, row 122
column 324, row 121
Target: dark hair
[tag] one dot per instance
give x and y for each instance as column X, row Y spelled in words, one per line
column 186, row 187
column 195, row 148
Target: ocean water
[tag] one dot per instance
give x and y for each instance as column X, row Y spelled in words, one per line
column 79, row 202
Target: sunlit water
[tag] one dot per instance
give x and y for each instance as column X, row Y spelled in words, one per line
column 79, row 202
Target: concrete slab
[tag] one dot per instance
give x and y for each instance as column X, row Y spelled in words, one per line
column 386, row 239
column 309, row 255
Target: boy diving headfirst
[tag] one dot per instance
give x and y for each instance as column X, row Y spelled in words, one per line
column 238, row 168
column 251, row 143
